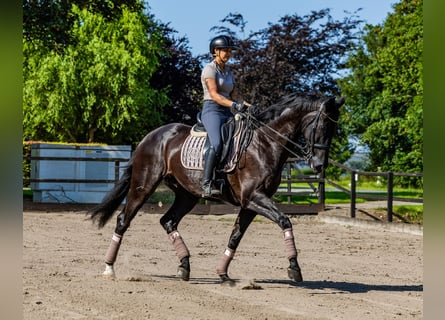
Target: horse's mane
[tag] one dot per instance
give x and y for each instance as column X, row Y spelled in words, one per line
column 303, row 102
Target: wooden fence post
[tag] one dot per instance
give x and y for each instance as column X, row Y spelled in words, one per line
column 353, row 193
column 289, row 182
column 390, row 195
column 321, row 189
column 116, row 172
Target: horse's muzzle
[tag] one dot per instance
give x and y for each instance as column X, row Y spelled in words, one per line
column 316, row 164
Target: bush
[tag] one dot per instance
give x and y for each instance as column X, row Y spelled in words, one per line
column 26, row 163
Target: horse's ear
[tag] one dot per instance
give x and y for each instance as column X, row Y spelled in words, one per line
column 339, row 102
column 330, row 103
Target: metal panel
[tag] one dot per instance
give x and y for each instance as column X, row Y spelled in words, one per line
column 74, row 164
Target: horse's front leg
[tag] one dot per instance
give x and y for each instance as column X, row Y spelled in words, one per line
column 265, row 207
column 245, row 217
column 293, row 271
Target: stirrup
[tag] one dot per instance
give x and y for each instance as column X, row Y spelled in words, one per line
column 208, row 191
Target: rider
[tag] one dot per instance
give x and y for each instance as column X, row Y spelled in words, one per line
column 220, row 96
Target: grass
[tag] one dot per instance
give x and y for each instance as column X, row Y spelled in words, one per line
column 166, row 197
column 331, row 197
column 365, row 189
column 27, row 193
column 412, row 214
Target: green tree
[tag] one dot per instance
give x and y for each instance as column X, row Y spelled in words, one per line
column 97, row 88
column 50, row 21
column 179, row 74
column 297, row 54
column 385, row 90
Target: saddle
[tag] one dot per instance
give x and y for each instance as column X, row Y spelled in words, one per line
column 233, row 134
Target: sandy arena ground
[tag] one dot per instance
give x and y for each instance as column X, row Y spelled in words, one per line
column 350, row 272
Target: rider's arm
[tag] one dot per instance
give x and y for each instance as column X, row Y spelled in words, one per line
column 214, row 94
column 220, row 99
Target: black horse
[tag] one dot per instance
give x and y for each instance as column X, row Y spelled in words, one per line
column 277, row 133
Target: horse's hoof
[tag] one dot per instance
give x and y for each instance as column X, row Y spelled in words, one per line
column 226, row 281
column 108, row 276
column 294, row 274
column 109, row 272
column 183, row 273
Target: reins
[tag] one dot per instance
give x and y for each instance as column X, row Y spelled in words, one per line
column 307, row 150
column 260, row 124
column 245, row 138
column 303, row 148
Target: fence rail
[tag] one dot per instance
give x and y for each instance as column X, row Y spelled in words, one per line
column 116, row 161
column 315, row 187
column 316, row 184
column 354, row 194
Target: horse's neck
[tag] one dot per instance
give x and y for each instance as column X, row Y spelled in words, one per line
column 284, row 132
column 289, row 125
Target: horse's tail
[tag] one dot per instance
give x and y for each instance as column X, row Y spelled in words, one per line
column 104, row 211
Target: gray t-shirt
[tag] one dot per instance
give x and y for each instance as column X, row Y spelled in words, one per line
column 224, row 79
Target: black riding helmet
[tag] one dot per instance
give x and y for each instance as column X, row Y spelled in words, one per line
column 221, row 42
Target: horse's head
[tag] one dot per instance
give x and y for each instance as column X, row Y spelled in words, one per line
column 318, row 130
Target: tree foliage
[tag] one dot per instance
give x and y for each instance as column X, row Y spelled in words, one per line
column 297, row 54
column 96, row 86
column 106, row 71
column 179, row 75
column 50, row 21
column 385, row 90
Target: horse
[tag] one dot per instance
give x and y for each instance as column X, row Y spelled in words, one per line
column 276, row 134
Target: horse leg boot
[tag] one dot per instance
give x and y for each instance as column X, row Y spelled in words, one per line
column 183, row 254
column 182, row 204
column 113, row 248
column 110, row 256
column 223, row 266
column 210, row 161
column 242, row 222
column 293, row 271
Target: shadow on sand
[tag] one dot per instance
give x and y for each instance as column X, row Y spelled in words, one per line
column 337, row 287
column 351, row 287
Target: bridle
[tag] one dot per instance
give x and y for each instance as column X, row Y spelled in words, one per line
column 312, row 144
column 308, row 150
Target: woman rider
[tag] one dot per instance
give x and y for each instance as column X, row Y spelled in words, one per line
column 220, row 96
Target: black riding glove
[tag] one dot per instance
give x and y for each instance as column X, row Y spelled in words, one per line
column 254, row 110
column 240, row 107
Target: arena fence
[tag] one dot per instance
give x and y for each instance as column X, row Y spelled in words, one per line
column 292, row 174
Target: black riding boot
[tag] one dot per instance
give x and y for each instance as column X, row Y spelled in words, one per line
column 210, row 161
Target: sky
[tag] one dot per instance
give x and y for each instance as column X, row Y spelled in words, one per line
column 194, row 18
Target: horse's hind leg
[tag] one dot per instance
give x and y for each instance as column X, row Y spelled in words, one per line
column 245, row 217
column 135, row 199
column 183, row 203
